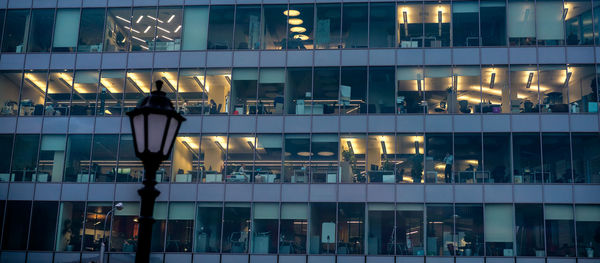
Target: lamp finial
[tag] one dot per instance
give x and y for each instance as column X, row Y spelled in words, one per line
column 159, row 84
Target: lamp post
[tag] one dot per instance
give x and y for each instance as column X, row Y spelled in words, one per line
column 118, row 206
column 154, row 124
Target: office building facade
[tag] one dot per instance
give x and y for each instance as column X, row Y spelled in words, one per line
column 317, row 131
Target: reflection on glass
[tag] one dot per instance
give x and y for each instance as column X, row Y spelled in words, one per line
column 298, row 91
column 191, row 91
column 529, row 222
column 6, row 142
column 469, row 229
column 104, row 157
column 90, row 30
column 94, row 228
column 439, row 158
column 436, row 19
column 440, row 90
column 583, row 95
column 117, row 30
column 51, row 158
column 468, row 91
column 560, row 232
column 496, row 95
column 322, row 228
column 324, row 158
column 24, row 161
column 499, row 230
column 43, row 225
column 493, row 19
column 10, row 83
column 351, row 228
column 16, row 225
column 268, row 158
column 325, row 91
column 440, row 230
column 270, row 91
column 410, row 25
column 521, row 22
column 382, row 25
column 410, row 93
column 124, row 232
column 220, row 27
column 33, row 93
column 40, row 30
column 293, row 227
column 381, row 90
column 409, row 158
column 274, row 26
column 143, row 28
column 496, row 154
column 77, row 164
column 85, row 86
column 556, row 150
column 327, row 29
column 218, row 87
column 353, row 90
column 66, row 30
column 300, row 35
column 527, row 158
column 586, row 165
column 70, row 226
column 208, row 227
column 524, row 89
column 137, row 87
column 169, row 79
column 469, row 167
column 353, row 149
column 179, row 227
column 550, row 15
column 236, row 228
column 14, row 36
column 265, row 228
column 297, row 158
column 130, row 168
column 380, row 231
column 212, row 158
column 240, row 158
column 58, row 97
column 168, row 33
column 354, row 26
column 247, row 27
column 409, row 230
column 159, row 227
column 185, row 158
column 578, row 22
column 465, row 23
column 243, row 92
column 588, row 227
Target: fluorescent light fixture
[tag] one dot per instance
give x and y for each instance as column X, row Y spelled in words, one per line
column 492, row 80
column 167, row 31
column 295, row 21
column 154, row 18
column 383, row 148
column 349, row 143
column 440, row 22
column 35, row 86
column 133, row 30
column 298, row 29
column 455, row 81
column 301, row 37
column 565, row 12
column 325, row 153
column 178, row 28
column 138, row 39
column 170, row 18
column 567, row 79
column 146, row 30
column 139, row 19
column 220, row 146
column 199, row 83
column 405, row 17
column 291, row 12
column 118, row 17
column 167, row 38
column 529, row 80
column 135, row 85
column 168, row 83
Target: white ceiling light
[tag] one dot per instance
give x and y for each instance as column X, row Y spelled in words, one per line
column 291, row 12
column 295, row 21
column 298, row 29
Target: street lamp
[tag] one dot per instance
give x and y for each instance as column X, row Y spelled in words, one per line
column 154, row 124
column 118, row 206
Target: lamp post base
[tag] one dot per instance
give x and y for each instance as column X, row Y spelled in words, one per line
column 148, row 194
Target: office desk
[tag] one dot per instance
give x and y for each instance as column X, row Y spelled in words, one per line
column 213, row 178
column 299, row 176
column 183, row 178
column 473, row 176
column 381, row 177
column 237, row 177
column 265, row 178
column 85, row 178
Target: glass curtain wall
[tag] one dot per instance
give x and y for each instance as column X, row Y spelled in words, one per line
column 355, row 31
column 208, row 227
column 293, row 228
column 410, row 232
column 382, row 28
column 465, row 23
column 40, row 30
column 560, row 232
column 529, row 223
column 587, row 223
column 498, row 227
column 247, row 27
column 90, row 30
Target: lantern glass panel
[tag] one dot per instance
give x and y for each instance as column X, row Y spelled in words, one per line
column 138, row 132
column 171, row 132
column 156, row 130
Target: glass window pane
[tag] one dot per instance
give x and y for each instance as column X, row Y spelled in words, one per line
column 168, row 33
column 14, row 37
column 439, row 158
column 439, row 230
column 70, row 226
column 530, row 229
column 354, row 26
column 78, row 159
column 409, row 230
column 218, row 87
column 169, row 79
column 298, row 91
column 468, row 163
column 95, row 229
column 274, row 27
column 243, row 92
column 123, row 235
column 527, row 158
column 195, row 28
column 240, row 158
column 270, row 90
column 560, row 234
column 324, row 158
column 327, row 29
column 40, row 30
column 247, row 27
column 382, row 28
column 301, row 36
column 495, row 91
column 557, row 157
column 353, row 152
column 437, row 24
column 553, row 88
column 524, row 89
column 268, row 158
column 212, row 158
column 468, row 91
column 16, row 225
column 381, row 90
column 33, row 93
column 185, row 158
column 297, row 156
column 409, row 158
column 191, row 91
column 236, row 228
column 326, row 91
column 110, row 93
column 104, row 157
column 293, row 227
column 137, row 86
column 549, row 20
column 117, row 30
column 51, row 158
column 66, row 30
column 521, row 22
column 439, row 90
column 351, row 228
column 410, row 25
column 499, row 230
column 410, row 90
column 6, row 142
column 496, row 154
column 381, row 166
column 265, row 228
column 83, row 101
column 469, row 229
column 588, row 227
column 322, row 228
column 90, row 30
column 160, row 226
column 43, row 225
column 583, row 96
column 208, row 227
column 493, row 19
column 179, row 228
column 24, row 163
column 58, row 97
column 144, row 29
column 10, row 84
column 353, row 90
column 130, row 168
column 381, row 228
column 465, row 20
column 578, row 22
column 220, row 27
column 586, row 163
